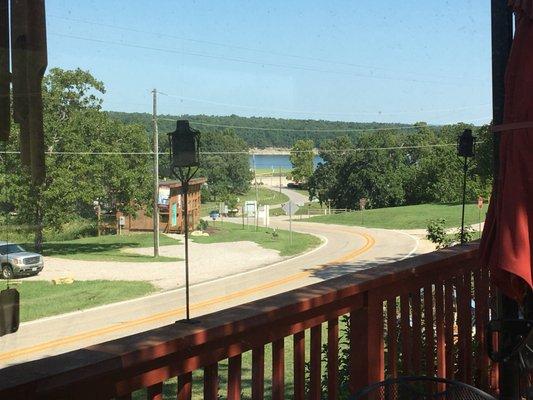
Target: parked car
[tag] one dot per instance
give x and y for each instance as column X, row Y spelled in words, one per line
column 15, row 261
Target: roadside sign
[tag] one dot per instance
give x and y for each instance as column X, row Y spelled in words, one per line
column 290, row 208
column 480, row 202
column 362, row 203
column 250, row 208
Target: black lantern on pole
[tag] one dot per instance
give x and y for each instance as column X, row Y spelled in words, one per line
column 184, row 146
column 466, row 149
column 184, row 162
column 465, row 144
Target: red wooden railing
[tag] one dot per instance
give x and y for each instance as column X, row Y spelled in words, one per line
column 424, row 315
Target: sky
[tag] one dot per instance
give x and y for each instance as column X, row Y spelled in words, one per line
column 358, row 60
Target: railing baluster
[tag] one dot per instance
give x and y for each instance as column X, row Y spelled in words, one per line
column 299, row 365
column 155, row 392
column 258, row 373
column 185, row 386
column 429, row 330
column 211, row 382
column 234, row 377
column 467, row 321
column 481, row 295
column 278, row 370
column 439, row 323
column 449, row 326
column 333, row 358
column 316, row 361
column 407, row 361
column 461, row 325
column 417, row 330
column 392, row 338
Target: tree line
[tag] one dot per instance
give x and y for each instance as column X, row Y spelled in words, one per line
column 273, row 132
column 391, row 168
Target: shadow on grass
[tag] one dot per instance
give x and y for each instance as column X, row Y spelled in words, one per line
column 65, row 249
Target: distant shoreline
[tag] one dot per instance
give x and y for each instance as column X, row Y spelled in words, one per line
column 274, row 151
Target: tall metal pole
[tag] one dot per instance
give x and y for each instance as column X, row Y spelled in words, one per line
column 156, row 174
column 280, row 178
column 465, row 170
column 256, row 194
column 186, row 216
column 502, row 39
column 290, row 221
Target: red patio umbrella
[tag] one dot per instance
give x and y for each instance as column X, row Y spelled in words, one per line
column 507, row 242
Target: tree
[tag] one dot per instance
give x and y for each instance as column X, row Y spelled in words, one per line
column 302, row 160
column 77, row 134
column 392, row 168
column 224, row 162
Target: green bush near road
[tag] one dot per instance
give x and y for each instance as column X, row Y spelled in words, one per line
column 39, row 299
column 268, row 238
column 406, row 217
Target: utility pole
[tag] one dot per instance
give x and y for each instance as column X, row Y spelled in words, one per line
column 280, row 178
column 256, row 195
column 156, row 174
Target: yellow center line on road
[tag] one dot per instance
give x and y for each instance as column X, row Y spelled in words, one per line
column 369, row 243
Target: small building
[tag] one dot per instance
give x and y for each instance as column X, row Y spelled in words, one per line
column 171, row 209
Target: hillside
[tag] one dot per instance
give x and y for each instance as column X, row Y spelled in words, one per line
column 266, row 132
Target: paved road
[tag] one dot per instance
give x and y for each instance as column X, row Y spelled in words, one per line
column 345, row 249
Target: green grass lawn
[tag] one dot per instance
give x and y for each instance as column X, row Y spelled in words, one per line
column 230, row 232
column 39, row 299
column 406, row 217
column 107, row 248
column 268, row 172
column 265, row 196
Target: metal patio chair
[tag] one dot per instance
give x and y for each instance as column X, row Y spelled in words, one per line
column 420, row 388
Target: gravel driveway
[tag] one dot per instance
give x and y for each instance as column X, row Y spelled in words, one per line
column 206, row 262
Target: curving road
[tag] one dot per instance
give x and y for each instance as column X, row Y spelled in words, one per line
column 344, row 249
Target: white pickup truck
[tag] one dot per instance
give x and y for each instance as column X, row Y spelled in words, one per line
column 15, row 261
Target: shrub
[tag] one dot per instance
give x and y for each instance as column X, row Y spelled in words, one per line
column 436, row 233
column 468, row 235
column 202, row 225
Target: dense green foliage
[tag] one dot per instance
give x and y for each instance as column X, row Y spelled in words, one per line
column 394, row 168
column 227, row 174
column 73, row 123
column 302, row 160
column 265, row 132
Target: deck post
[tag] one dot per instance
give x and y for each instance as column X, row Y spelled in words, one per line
column 502, row 39
column 367, row 362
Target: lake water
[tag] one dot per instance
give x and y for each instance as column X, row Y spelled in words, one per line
column 263, row 161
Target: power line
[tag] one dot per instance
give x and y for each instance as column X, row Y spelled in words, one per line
column 238, row 47
column 260, row 128
column 319, row 113
column 246, row 61
column 151, row 153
